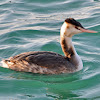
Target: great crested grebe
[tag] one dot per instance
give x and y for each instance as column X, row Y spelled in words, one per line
column 49, row 62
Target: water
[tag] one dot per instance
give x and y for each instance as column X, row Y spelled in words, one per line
column 34, row 25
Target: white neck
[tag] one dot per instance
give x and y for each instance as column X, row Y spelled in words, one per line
column 67, row 46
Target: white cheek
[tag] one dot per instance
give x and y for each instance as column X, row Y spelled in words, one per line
column 75, row 31
column 71, row 31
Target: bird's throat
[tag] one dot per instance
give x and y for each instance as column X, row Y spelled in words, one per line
column 67, row 46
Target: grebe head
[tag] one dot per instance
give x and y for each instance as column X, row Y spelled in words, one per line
column 71, row 27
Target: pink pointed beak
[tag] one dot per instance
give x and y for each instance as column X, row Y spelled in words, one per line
column 87, row 31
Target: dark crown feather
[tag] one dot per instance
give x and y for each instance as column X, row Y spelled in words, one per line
column 74, row 22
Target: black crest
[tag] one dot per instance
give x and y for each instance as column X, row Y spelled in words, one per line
column 73, row 21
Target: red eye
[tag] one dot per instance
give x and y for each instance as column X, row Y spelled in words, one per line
column 77, row 28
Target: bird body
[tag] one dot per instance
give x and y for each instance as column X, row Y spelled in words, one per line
column 41, row 62
column 49, row 62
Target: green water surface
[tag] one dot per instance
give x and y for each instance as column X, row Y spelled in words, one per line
column 34, row 25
